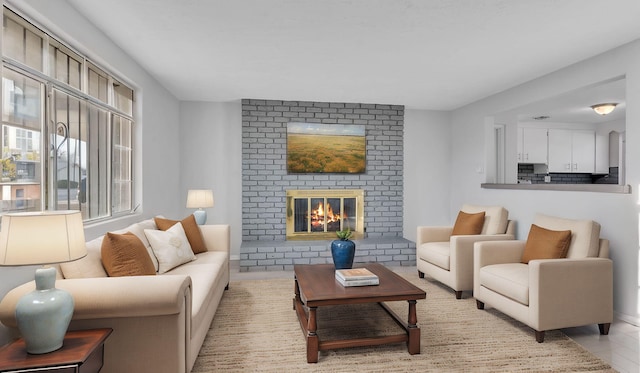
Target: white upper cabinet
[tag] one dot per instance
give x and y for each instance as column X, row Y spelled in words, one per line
column 532, row 145
column 572, row 150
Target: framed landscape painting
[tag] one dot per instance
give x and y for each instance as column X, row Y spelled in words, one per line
column 326, row 148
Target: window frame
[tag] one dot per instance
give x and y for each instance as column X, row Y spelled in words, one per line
column 48, row 79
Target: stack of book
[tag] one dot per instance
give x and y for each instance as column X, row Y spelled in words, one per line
column 356, row 277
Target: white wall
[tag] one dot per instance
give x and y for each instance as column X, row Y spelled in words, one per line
column 157, row 156
column 427, row 172
column 617, row 213
column 211, row 157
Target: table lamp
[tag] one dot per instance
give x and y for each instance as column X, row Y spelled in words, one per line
column 199, row 199
column 38, row 238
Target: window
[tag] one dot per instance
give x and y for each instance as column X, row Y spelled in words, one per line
column 67, row 127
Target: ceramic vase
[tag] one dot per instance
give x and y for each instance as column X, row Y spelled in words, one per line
column 44, row 314
column 343, row 252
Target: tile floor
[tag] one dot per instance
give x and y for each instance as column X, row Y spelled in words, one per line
column 621, row 348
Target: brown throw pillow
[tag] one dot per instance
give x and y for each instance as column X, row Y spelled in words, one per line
column 125, row 255
column 468, row 223
column 191, row 229
column 544, row 243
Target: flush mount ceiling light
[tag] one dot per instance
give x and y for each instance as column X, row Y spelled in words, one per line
column 604, row 109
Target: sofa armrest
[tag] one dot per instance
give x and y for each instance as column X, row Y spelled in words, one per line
column 433, row 234
column 217, row 237
column 571, row 292
column 112, row 297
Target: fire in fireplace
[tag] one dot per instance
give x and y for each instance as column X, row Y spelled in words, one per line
column 318, row 214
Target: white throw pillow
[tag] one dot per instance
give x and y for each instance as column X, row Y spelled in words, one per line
column 170, row 247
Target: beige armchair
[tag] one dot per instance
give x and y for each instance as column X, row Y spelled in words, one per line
column 548, row 294
column 449, row 259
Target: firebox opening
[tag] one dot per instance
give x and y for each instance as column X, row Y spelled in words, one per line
column 318, row 214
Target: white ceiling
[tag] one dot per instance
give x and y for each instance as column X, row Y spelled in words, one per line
column 425, row 54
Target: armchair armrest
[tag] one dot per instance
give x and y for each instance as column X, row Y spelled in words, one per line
column 497, row 252
column 112, row 297
column 433, row 234
column 571, row 292
column 461, row 253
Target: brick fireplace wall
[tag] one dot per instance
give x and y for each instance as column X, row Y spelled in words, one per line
column 265, row 178
column 265, row 181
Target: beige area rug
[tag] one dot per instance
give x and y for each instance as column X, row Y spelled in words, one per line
column 256, row 329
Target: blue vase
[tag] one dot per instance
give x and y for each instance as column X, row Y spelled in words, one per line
column 343, row 252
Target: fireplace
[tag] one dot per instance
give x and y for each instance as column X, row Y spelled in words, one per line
column 318, row 214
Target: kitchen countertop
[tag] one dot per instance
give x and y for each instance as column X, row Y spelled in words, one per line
column 600, row 188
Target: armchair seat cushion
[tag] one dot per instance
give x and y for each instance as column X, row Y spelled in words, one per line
column 510, row 280
column 436, row 253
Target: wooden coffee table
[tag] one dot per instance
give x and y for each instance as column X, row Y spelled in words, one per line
column 316, row 286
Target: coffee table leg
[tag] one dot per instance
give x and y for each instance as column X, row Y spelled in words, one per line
column 312, row 337
column 296, row 292
column 413, row 344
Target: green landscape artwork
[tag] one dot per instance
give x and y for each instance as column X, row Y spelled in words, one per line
column 326, row 148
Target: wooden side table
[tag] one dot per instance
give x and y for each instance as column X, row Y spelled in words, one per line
column 82, row 352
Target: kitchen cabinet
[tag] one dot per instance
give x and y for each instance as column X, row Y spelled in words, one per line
column 602, row 154
column 532, row 145
column 572, row 150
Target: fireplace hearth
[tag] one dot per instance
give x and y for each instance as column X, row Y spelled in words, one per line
column 319, row 214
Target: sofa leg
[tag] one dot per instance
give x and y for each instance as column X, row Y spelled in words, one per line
column 226, row 287
column 604, row 328
column 479, row 305
column 420, row 274
column 540, row 336
column 458, row 294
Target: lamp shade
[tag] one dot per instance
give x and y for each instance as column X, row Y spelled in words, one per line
column 604, row 109
column 199, row 198
column 41, row 238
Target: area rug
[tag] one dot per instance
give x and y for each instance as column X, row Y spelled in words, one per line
column 256, row 330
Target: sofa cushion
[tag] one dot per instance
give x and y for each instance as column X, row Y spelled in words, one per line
column 468, row 223
column 436, row 253
column 125, row 255
column 89, row 266
column 496, row 218
column 510, row 280
column 544, row 243
column 585, row 234
column 191, row 229
column 171, row 247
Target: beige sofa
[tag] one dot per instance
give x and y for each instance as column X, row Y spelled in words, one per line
column 159, row 322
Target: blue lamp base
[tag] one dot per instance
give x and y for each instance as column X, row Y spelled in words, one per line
column 43, row 315
column 201, row 216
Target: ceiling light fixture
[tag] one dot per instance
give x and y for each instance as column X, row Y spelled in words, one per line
column 604, row 109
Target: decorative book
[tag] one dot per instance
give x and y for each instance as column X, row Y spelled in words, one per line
column 356, row 277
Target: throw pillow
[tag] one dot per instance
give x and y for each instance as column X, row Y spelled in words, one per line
column 468, row 223
column 125, row 255
column 170, row 247
column 544, row 243
column 191, row 229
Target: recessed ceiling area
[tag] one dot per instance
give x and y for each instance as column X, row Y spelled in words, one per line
column 433, row 54
column 574, row 106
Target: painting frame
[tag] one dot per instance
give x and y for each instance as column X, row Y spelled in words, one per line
column 326, row 148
